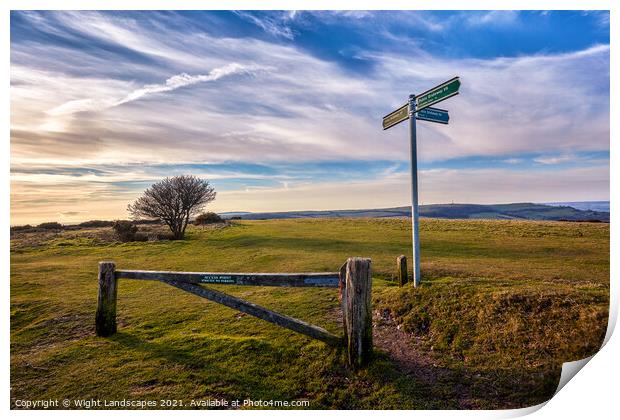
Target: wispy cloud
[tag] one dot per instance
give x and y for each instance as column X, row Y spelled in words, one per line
column 273, row 24
column 554, row 160
column 172, row 83
column 491, row 18
column 71, row 214
column 601, row 17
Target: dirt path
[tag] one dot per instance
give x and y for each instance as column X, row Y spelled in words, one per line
column 411, row 360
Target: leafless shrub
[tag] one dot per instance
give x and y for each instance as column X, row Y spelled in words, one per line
column 173, row 201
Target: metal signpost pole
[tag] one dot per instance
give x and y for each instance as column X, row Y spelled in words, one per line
column 420, row 105
column 414, row 191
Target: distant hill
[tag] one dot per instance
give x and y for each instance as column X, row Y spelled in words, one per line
column 584, row 205
column 518, row 211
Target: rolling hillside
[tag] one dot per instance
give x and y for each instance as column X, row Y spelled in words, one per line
column 514, row 211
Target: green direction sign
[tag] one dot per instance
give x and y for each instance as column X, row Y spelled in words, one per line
column 438, row 93
column 395, row 117
column 434, row 115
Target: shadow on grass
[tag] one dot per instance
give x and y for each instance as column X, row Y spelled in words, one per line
column 300, row 243
column 429, row 386
column 257, row 369
column 159, row 350
column 316, row 373
column 237, row 368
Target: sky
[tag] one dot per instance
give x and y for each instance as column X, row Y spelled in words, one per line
column 282, row 110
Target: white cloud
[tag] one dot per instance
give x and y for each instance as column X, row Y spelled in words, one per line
column 514, row 105
column 305, row 107
column 79, row 105
column 276, row 26
column 172, row 83
column 125, row 32
column 491, row 18
column 554, row 160
column 601, row 17
column 513, row 161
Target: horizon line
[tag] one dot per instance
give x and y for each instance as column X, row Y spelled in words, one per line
column 356, row 209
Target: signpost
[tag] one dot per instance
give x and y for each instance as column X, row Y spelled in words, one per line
column 433, row 115
column 427, row 114
column 419, row 106
column 438, row 93
column 395, row 117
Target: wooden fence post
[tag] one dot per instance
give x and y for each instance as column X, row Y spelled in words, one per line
column 401, row 266
column 105, row 320
column 357, row 311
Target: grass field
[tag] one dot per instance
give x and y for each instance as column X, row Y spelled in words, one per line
column 502, row 305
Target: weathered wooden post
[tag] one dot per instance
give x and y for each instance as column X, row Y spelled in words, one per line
column 357, row 311
column 105, row 320
column 401, row 266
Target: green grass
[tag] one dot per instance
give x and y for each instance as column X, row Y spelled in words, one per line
column 502, row 305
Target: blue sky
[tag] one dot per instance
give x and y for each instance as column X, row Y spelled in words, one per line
column 282, row 110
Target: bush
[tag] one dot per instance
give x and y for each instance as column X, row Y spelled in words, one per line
column 20, row 228
column 159, row 236
column 207, row 218
column 50, row 225
column 235, row 218
column 125, row 230
column 147, row 221
column 96, row 223
column 141, row 237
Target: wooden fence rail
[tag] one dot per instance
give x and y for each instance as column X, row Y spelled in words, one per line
column 240, row 279
column 354, row 281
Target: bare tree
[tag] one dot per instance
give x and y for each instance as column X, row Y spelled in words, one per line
column 173, row 201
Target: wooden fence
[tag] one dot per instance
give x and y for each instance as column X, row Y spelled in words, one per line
column 354, row 281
